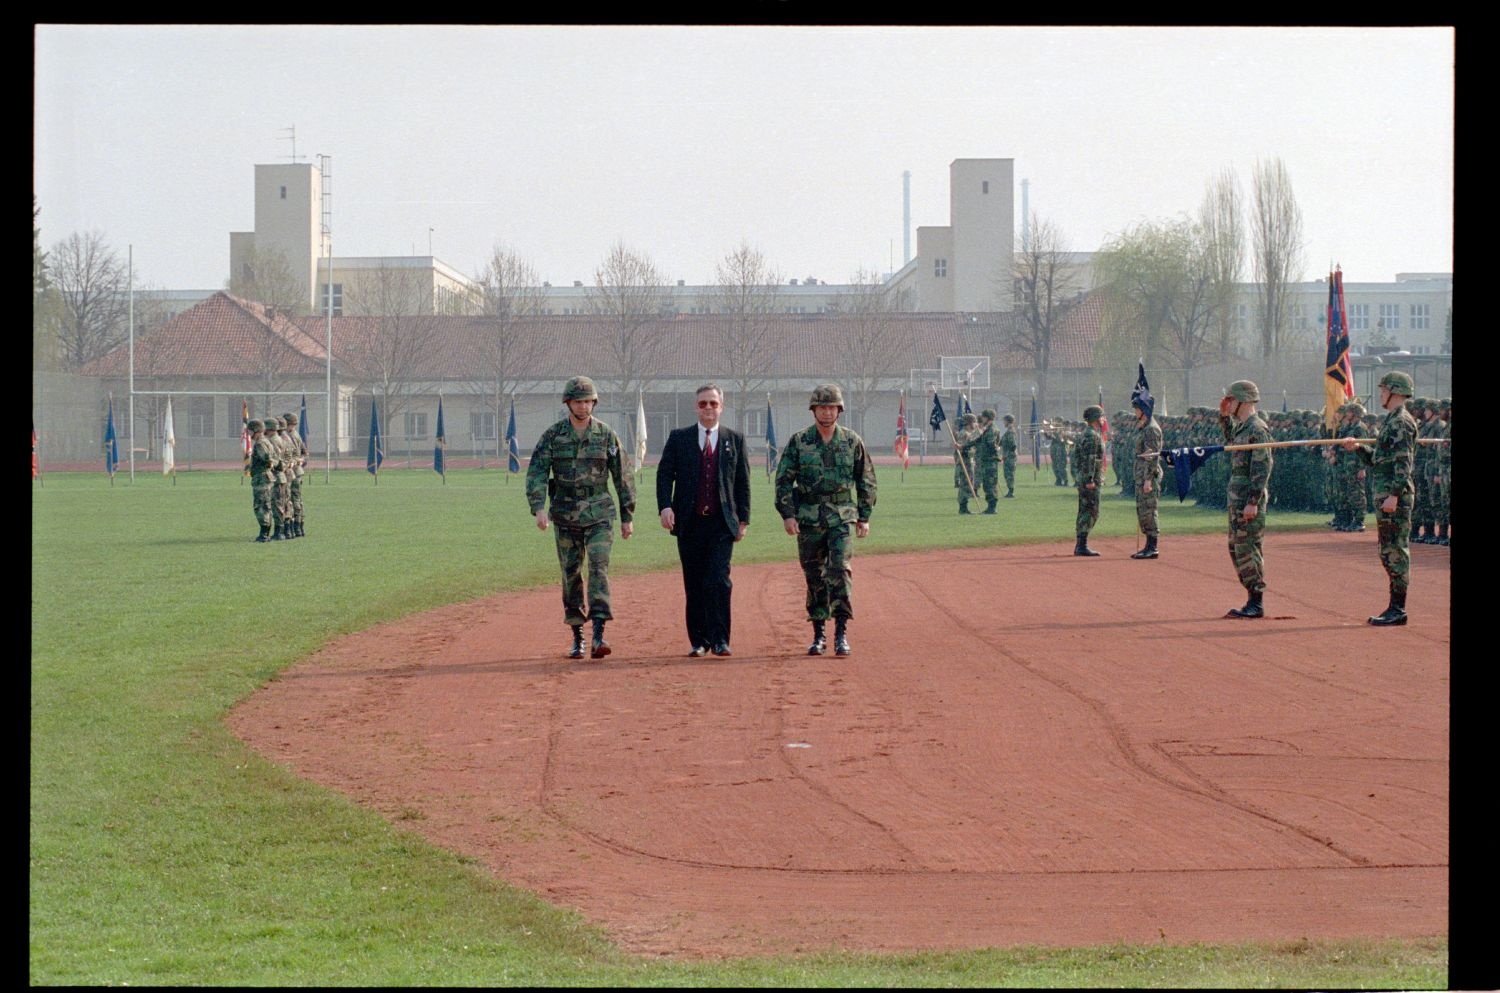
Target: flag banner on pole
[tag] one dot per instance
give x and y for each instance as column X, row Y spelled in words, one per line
column 1185, row 461
column 1104, row 434
column 439, row 443
column 770, row 439
column 937, row 417
column 903, row 447
column 514, row 450
column 168, row 443
column 640, row 430
column 376, row 455
column 34, row 470
column 111, row 443
column 302, row 421
column 245, row 443
column 1141, row 395
column 963, row 404
column 1036, row 435
column 1338, row 375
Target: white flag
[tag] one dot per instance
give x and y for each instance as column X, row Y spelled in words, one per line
column 640, row 430
column 168, row 443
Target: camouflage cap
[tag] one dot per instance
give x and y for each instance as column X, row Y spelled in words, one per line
column 1093, row 412
column 1244, row 391
column 291, row 419
column 255, row 424
column 1398, row 382
column 579, row 388
column 826, row 395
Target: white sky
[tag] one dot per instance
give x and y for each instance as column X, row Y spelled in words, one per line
column 684, row 141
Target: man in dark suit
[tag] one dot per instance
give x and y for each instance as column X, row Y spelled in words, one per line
column 703, row 492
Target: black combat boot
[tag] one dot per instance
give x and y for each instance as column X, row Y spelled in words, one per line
column 1252, row 608
column 1010, row 494
column 963, row 505
column 278, row 532
column 819, row 642
column 265, row 533
column 1442, row 534
column 577, row 651
column 600, row 647
column 989, row 505
column 1356, row 522
column 1149, row 552
column 1082, row 548
column 841, row 636
column 301, row 530
column 1395, row 613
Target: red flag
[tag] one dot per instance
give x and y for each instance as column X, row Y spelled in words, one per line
column 902, row 445
column 245, row 434
column 1338, row 377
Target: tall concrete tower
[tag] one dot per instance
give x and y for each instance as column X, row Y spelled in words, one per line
column 982, row 212
column 288, row 220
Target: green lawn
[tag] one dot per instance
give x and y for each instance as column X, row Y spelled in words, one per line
column 162, row 851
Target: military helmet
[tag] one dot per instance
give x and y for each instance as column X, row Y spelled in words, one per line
column 1243, row 391
column 580, row 388
column 826, row 395
column 1356, row 407
column 291, row 420
column 969, row 418
column 1093, row 412
column 1446, row 403
column 255, row 424
column 988, row 413
column 273, row 424
column 1009, row 418
column 1398, row 382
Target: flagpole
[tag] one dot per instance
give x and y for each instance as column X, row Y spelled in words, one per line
column 959, row 455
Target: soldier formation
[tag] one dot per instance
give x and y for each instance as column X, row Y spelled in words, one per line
column 278, row 458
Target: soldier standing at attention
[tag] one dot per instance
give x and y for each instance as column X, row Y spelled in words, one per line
column 280, row 506
column 963, row 460
column 984, row 444
column 1391, row 464
column 1088, row 474
column 294, row 487
column 1429, row 473
column 1350, row 482
column 262, row 478
column 1008, row 454
column 1146, row 473
column 1445, row 470
column 570, row 470
column 1249, row 483
column 825, row 482
column 1057, row 449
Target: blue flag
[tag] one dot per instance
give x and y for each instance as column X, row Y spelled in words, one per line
column 1186, row 461
column 1036, row 436
column 376, row 454
column 1141, row 396
column 770, row 439
column 439, row 442
column 111, row 444
column 302, row 421
column 937, row 417
column 511, row 447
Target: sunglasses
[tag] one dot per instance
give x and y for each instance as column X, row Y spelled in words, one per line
column 709, row 403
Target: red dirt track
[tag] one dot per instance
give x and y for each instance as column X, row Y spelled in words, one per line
column 1024, row 748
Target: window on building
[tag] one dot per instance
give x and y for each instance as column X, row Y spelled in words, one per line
column 1421, row 350
column 416, row 425
column 200, row 417
column 1299, row 317
column 1421, row 317
column 338, row 300
column 1390, row 316
column 1241, row 316
column 940, row 268
column 482, row 424
column 283, row 193
column 796, row 310
column 1359, row 317
column 755, row 422
column 984, row 186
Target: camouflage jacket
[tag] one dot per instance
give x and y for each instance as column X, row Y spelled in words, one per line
column 825, row 483
column 263, row 460
column 983, row 446
column 570, row 472
column 1429, row 457
column 1393, row 458
column 1147, row 464
column 1008, row 446
column 1088, row 458
column 1249, row 472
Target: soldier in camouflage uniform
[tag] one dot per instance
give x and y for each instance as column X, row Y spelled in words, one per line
column 280, row 504
column 1008, row 455
column 1057, row 450
column 1392, row 461
column 262, row 477
column 1146, row 473
column 825, row 481
column 570, row 470
column 963, row 461
column 984, row 448
column 1429, row 473
column 299, row 461
column 1445, row 470
column 1349, row 484
column 1088, row 473
column 1249, row 483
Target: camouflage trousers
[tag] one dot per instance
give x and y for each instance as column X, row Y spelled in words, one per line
column 1145, row 506
column 1244, row 547
column 824, row 554
column 574, row 545
column 1010, row 476
column 1394, row 530
column 280, row 504
column 989, row 479
column 261, row 500
column 1060, row 471
column 1445, row 491
column 294, row 498
column 961, row 481
column 1088, row 510
column 1424, row 507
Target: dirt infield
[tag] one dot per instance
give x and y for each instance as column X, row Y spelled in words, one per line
column 1024, row 748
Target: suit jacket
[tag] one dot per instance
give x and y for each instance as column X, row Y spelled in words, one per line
column 677, row 476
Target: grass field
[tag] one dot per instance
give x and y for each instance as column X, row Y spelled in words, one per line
column 162, row 851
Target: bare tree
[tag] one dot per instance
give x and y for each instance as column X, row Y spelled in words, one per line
column 1276, row 225
column 871, row 342
column 628, row 290
column 1045, row 281
column 1221, row 220
column 397, row 334
column 266, row 276
column 510, row 350
column 92, row 295
column 746, row 294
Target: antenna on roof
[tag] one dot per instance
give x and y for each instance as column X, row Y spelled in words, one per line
column 291, row 135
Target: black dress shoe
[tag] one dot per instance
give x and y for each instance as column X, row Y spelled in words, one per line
column 698, row 652
column 722, row 648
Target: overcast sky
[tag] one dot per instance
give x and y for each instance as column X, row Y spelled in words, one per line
column 684, row 141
